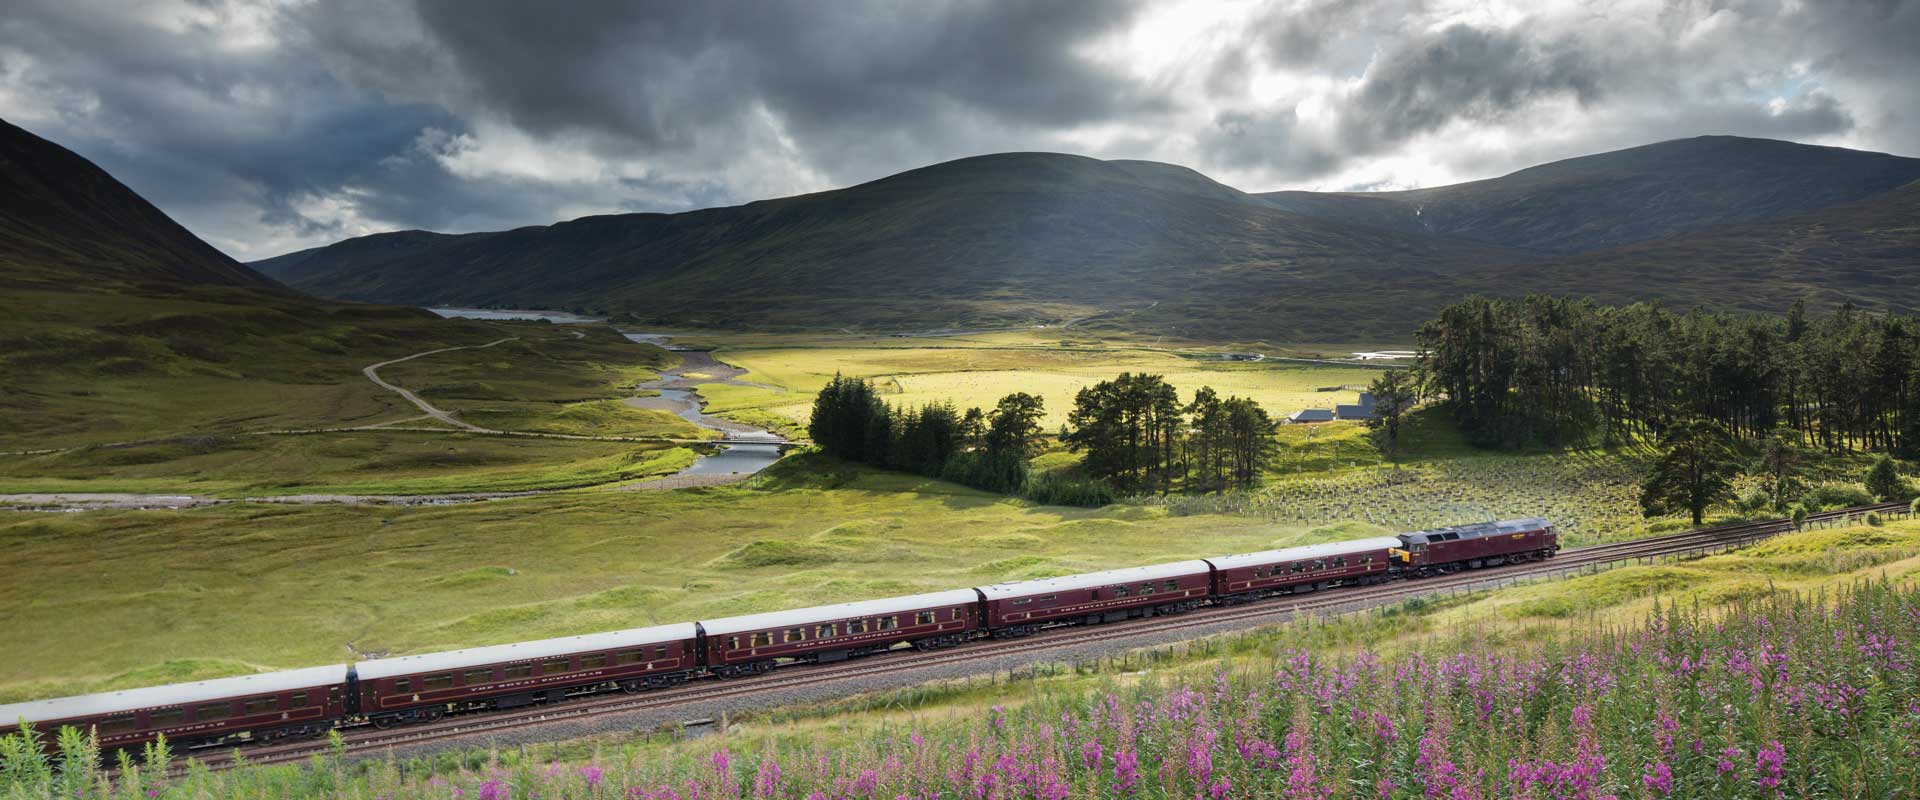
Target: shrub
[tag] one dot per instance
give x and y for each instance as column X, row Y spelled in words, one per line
column 1829, row 496
column 1058, row 490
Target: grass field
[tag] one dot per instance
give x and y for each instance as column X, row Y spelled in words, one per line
column 548, row 379
column 230, row 589
column 976, row 370
column 360, row 462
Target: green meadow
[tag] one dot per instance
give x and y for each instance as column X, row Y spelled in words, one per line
column 109, row 599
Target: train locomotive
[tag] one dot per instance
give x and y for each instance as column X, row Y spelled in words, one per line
column 384, row 692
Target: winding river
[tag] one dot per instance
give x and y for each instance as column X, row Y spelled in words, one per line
column 678, row 395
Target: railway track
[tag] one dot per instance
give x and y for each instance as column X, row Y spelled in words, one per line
column 1271, row 610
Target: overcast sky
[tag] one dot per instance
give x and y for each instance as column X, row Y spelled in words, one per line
column 271, row 126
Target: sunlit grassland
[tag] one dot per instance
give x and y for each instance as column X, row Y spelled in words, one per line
column 549, row 379
column 978, row 370
column 213, row 591
column 359, row 462
column 96, row 368
column 553, row 379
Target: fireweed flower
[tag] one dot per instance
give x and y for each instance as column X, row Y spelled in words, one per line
column 1769, row 765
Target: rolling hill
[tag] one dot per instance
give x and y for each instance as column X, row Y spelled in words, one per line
column 1019, row 238
column 999, row 239
column 1626, row 196
column 122, row 325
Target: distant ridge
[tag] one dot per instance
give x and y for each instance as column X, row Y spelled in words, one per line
column 1025, row 238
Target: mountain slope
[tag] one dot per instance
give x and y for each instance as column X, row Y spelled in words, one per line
column 57, row 208
column 122, row 325
column 999, row 239
column 1625, row 196
column 1019, row 238
column 1866, row 253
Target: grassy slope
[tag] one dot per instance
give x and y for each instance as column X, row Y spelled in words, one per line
column 556, row 379
column 1861, row 252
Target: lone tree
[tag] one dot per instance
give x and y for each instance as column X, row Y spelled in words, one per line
column 1781, row 456
column 1393, row 396
column 1013, row 426
column 1696, row 471
column 1884, row 481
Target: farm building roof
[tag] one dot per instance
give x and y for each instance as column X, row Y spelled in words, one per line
column 1311, row 415
column 1323, row 550
column 1353, row 412
column 1090, row 580
column 173, row 694
column 523, row 651
column 864, row 608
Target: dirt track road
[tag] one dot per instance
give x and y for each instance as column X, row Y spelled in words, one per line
column 372, row 371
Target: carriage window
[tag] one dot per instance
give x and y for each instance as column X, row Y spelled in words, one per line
column 1259, row 572
column 1048, row 598
column 437, row 682
column 593, row 661
column 637, row 656
column 856, row 626
column 1146, row 588
column 956, row 614
column 554, row 667
column 118, row 725
column 826, row 631
column 479, row 676
column 517, row 671
column 1121, row 591
column 887, row 623
column 261, row 705
column 1340, row 562
column 1171, row 586
column 923, row 618
column 299, row 700
column 1319, row 565
column 1299, row 567
column 163, row 718
column 794, row 635
column 660, row 651
column 403, row 685
column 763, row 639
column 1366, row 559
column 1023, row 601
column 212, row 711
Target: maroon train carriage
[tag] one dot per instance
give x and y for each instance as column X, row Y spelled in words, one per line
column 1024, row 607
column 755, row 643
column 428, row 686
column 1250, row 576
column 261, row 707
column 1483, row 544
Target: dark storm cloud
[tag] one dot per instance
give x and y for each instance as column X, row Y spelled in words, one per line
column 1462, row 72
column 268, row 126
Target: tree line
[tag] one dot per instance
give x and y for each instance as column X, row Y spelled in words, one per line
column 1134, row 433
column 1139, row 437
column 1558, row 371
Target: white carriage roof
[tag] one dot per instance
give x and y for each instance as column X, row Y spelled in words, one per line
column 522, row 651
column 1304, row 552
column 173, row 694
column 1089, row 580
column 863, row 608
